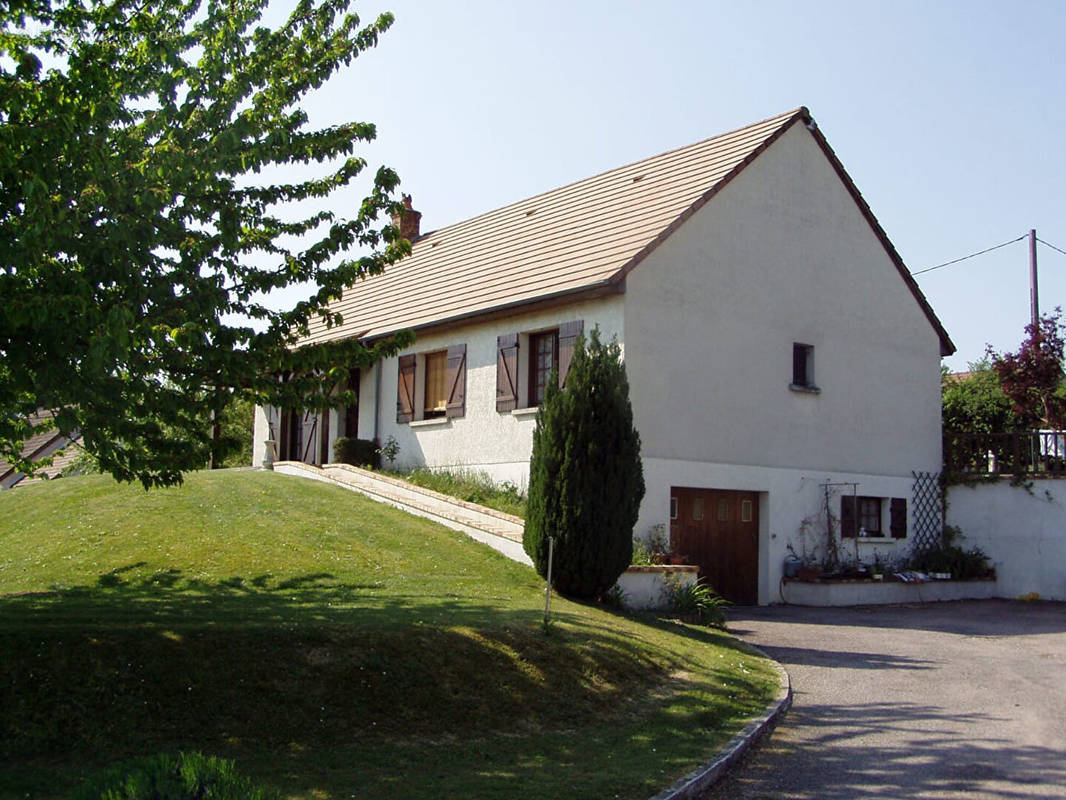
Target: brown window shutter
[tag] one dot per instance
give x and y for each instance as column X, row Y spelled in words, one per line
column 507, row 372
column 405, row 390
column 847, row 516
column 310, row 427
column 273, row 417
column 568, row 333
column 456, row 379
column 897, row 523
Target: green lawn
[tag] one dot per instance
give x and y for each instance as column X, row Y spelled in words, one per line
column 334, row 648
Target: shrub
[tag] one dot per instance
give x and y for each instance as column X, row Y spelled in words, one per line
column 586, row 480
column 357, row 452
column 185, row 776
column 390, row 449
column 948, row 556
column 697, row 599
column 642, row 554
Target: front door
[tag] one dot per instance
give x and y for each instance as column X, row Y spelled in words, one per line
column 718, row 530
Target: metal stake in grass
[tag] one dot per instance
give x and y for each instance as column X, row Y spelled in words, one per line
column 548, row 583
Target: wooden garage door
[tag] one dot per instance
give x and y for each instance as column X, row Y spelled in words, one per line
column 719, row 531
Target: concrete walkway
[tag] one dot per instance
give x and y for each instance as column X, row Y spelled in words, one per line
column 500, row 531
column 943, row 700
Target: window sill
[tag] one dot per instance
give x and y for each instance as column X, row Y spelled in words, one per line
column 524, row 412
column 802, row 389
column 872, row 539
column 429, row 423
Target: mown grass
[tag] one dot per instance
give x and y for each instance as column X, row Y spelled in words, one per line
column 334, row 648
column 473, row 487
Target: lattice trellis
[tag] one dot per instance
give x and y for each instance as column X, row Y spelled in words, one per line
column 928, row 510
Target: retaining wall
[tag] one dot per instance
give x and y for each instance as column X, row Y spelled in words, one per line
column 1023, row 530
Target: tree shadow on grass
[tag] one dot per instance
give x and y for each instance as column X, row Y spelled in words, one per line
column 296, row 675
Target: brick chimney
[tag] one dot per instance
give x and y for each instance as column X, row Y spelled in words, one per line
column 408, row 220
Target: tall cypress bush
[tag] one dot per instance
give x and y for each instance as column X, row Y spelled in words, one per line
column 586, row 480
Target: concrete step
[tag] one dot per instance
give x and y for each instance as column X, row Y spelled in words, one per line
column 502, row 532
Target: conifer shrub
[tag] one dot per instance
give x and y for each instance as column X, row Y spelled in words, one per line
column 586, row 480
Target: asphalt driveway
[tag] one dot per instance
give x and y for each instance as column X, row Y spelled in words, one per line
column 944, row 700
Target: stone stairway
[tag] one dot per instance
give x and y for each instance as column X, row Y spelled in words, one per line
column 500, row 531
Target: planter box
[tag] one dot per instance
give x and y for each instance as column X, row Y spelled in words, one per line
column 876, row 593
column 645, row 586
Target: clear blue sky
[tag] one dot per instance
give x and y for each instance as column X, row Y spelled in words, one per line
column 949, row 116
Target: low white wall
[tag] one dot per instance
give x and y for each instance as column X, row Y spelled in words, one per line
column 862, row 593
column 1022, row 530
column 644, row 588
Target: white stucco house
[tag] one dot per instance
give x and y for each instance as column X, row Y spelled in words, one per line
column 780, row 356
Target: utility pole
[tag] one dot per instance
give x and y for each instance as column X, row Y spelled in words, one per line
column 1034, row 300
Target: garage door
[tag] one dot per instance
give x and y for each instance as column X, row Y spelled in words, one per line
column 719, row 531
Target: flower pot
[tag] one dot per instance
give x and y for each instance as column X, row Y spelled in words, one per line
column 809, row 573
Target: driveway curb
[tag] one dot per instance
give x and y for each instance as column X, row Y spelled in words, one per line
column 699, row 780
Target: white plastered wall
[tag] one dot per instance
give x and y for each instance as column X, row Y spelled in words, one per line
column 483, row 440
column 781, row 255
column 1021, row 528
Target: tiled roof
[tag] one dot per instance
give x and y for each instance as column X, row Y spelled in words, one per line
column 582, row 237
column 39, row 445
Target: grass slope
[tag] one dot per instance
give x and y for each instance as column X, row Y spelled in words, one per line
column 333, row 647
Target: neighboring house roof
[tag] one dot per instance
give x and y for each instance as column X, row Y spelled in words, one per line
column 581, row 239
column 38, row 446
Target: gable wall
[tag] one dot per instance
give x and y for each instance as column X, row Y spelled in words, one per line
column 782, row 255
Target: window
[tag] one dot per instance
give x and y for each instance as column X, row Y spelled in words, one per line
column 870, row 516
column 673, row 508
column 864, row 517
column 544, row 352
column 435, row 402
column 803, row 368
column 532, row 356
column 431, row 385
column 697, row 508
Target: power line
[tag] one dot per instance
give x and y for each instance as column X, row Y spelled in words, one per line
column 973, row 255
column 1049, row 244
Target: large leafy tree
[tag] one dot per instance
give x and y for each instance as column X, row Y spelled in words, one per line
column 586, row 478
column 143, row 221
column 1033, row 378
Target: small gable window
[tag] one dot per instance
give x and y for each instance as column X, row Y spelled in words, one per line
column 803, row 368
